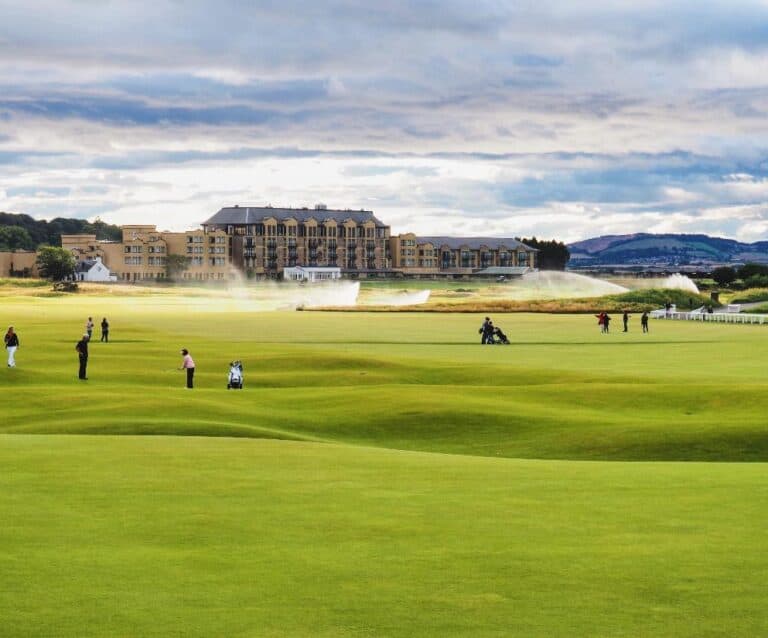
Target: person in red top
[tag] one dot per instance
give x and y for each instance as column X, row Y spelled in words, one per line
column 188, row 364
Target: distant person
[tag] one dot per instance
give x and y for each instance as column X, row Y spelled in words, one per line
column 667, row 308
column 625, row 318
column 11, row 340
column 601, row 321
column 189, row 365
column 89, row 327
column 485, row 330
column 644, row 321
column 606, row 322
column 82, row 354
column 105, row 330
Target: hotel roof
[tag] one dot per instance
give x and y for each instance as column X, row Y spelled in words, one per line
column 255, row 214
column 475, row 243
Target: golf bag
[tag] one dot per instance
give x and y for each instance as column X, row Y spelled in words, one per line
column 502, row 338
column 235, row 380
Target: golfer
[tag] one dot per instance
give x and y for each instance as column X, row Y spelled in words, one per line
column 89, row 327
column 105, row 330
column 11, row 345
column 188, row 364
column 82, row 353
column 486, row 330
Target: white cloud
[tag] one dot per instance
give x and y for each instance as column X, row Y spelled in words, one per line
column 554, row 119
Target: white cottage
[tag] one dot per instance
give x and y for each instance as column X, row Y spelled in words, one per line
column 311, row 273
column 93, row 270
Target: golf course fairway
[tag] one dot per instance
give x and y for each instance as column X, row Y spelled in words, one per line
column 380, row 475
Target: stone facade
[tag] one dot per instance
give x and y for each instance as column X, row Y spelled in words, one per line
column 265, row 240
column 18, row 263
column 144, row 250
column 458, row 255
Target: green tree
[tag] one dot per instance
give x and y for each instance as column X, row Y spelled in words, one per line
column 15, row 238
column 724, row 275
column 751, row 269
column 553, row 254
column 43, row 232
column 55, row 263
column 175, row 265
column 756, row 281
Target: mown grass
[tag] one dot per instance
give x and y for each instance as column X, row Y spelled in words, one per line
column 380, row 475
column 154, row 536
column 408, row 381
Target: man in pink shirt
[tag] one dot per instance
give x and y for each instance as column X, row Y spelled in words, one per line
column 189, row 364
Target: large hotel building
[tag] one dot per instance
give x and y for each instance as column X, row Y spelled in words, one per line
column 261, row 241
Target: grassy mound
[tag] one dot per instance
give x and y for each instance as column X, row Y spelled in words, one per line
column 401, row 381
column 156, row 536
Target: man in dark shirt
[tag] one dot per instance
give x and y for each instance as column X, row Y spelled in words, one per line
column 82, row 352
column 485, row 330
column 644, row 321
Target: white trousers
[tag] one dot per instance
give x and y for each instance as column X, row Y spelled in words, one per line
column 11, row 353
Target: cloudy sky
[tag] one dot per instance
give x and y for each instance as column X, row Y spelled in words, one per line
column 559, row 119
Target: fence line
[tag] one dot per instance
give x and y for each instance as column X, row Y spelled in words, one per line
column 717, row 317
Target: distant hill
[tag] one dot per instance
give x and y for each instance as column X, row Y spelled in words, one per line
column 664, row 250
column 25, row 232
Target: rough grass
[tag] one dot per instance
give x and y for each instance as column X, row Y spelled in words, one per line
column 634, row 301
column 750, row 296
column 21, row 284
column 380, row 475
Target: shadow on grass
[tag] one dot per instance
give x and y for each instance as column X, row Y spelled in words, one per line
column 373, row 342
column 96, row 341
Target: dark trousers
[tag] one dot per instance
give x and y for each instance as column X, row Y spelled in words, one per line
column 83, row 366
column 105, row 335
column 625, row 327
column 190, row 376
column 645, row 327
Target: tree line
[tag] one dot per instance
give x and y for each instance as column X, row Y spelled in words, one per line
column 752, row 275
column 553, row 254
column 22, row 232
